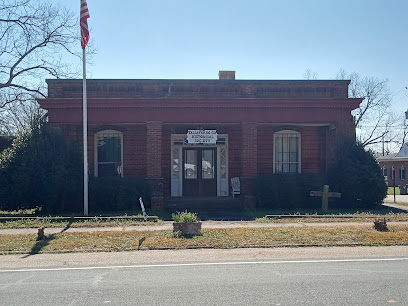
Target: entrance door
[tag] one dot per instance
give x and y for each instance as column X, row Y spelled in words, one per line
column 199, row 172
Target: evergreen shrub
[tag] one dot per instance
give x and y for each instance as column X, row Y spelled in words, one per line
column 288, row 190
column 5, row 142
column 41, row 169
column 358, row 176
column 110, row 194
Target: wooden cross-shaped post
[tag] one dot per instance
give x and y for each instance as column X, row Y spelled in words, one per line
column 325, row 194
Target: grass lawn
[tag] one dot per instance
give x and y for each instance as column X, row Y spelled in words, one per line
column 390, row 191
column 256, row 215
column 95, row 222
column 210, row 238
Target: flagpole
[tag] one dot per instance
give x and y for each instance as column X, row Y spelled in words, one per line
column 85, row 134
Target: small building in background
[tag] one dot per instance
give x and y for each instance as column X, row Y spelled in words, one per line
column 394, row 167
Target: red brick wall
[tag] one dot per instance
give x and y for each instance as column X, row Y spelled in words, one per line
column 166, row 159
column 265, row 149
column 154, row 150
column 313, row 148
column 147, row 148
column 134, row 151
column 234, row 150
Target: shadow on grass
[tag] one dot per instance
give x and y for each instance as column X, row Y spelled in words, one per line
column 42, row 243
column 179, row 234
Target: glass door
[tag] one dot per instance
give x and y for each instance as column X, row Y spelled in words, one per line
column 199, row 172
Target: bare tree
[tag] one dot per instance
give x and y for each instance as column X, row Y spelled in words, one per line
column 373, row 120
column 16, row 117
column 310, row 75
column 35, row 37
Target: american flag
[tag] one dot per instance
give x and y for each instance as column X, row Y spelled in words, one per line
column 84, row 24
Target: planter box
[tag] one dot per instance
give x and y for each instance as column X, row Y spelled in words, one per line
column 187, row 228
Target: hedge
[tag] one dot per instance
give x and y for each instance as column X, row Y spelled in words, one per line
column 110, row 194
column 288, row 191
column 358, row 176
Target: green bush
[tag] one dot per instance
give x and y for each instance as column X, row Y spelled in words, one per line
column 288, row 191
column 5, row 142
column 185, row 217
column 357, row 175
column 116, row 194
column 41, row 169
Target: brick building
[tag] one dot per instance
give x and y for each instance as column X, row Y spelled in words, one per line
column 188, row 138
column 394, row 167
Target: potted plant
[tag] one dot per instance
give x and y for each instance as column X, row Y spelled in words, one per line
column 188, row 223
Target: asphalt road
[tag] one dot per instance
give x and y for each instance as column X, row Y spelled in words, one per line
column 333, row 276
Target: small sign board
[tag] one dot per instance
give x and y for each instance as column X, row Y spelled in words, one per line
column 202, row 136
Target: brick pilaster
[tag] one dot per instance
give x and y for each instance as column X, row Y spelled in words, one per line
column 154, row 162
column 249, row 163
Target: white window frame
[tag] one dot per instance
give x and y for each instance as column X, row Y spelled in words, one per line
column 384, row 171
column 299, row 138
column 107, row 132
column 401, row 170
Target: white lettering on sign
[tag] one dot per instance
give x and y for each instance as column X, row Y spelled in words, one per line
column 202, row 136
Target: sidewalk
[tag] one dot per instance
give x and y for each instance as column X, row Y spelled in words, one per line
column 398, row 199
column 168, row 225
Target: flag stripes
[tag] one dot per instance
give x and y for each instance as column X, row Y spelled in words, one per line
column 84, row 24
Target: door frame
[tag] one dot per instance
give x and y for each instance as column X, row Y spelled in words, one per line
column 176, row 182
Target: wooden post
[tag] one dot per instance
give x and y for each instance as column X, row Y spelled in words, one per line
column 325, row 194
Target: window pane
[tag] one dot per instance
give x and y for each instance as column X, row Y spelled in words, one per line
column 207, row 164
column 175, row 163
column 293, row 144
column 190, row 164
column 285, row 146
column 293, row 168
column 223, row 161
column 278, row 147
column 293, row 157
column 285, row 157
column 109, row 149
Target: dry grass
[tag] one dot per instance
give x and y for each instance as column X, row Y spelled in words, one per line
column 95, row 222
column 357, row 217
column 211, row 238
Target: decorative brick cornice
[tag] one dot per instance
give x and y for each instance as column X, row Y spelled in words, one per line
column 192, row 89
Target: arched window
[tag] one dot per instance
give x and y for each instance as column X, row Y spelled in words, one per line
column 287, row 152
column 402, row 173
column 384, row 170
column 109, row 153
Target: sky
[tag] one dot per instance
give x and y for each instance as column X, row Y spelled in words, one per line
column 259, row 39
